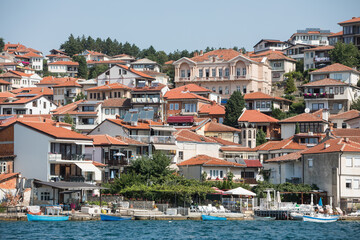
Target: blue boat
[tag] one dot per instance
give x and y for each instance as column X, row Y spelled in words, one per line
column 104, row 217
column 321, row 218
column 212, row 218
column 46, row 218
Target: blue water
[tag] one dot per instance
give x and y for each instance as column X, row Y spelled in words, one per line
column 179, row 230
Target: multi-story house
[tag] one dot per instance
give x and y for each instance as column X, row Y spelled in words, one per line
column 35, row 60
column 317, row 57
column 297, row 51
column 334, row 167
column 331, row 94
column 57, row 55
column 20, row 79
column 108, row 91
column 4, row 86
column 219, row 131
column 145, row 64
column 351, row 31
column 224, row 71
column 311, row 36
column 65, row 68
column 340, row 120
column 265, row 103
column 270, row 44
column 124, row 75
column 336, row 71
column 93, row 56
column 65, row 93
column 51, row 81
column 335, row 37
column 115, row 108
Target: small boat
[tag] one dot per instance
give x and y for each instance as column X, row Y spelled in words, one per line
column 296, row 216
column 212, row 218
column 321, row 218
column 259, row 218
column 104, row 217
column 46, row 218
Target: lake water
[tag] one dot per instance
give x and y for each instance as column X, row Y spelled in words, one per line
column 179, row 230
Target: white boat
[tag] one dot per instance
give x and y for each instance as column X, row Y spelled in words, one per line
column 321, row 218
column 297, row 216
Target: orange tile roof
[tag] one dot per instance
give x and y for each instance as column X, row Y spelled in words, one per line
column 352, row 20
column 263, row 53
column 149, row 88
column 205, row 160
column 3, row 82
column 266, row 146
column 253, row 163
column 112, row 86
column 136, row 72
column 346, row 132
column 255, row 116
column 32, row 54
column 287, row 157
column 9, row 75
column 106, row 140
column 98, row 164
column 6, row 94
column 68, row 84
column 319, row 48
column 218, row 127
column 191, row 88
column 288, row 143
column 67, row 108
column 172, row 95
column 106, row 62
column 185, row 135
column 261, row 95
column 305, row 117
column 225, row 54
column 335, row 145
column 6, row 176
column 20, row 73
column 325, row 82
column 224, row 142
column 272, row 55
column 117, row 102
column 169, row 62
column 237, row 149
column 336, row 67
column 68, row 63
column 212, row 109
column 20, row 100
column 56, row 132
column 336, row 34
column 140, row 125
column 33, row 90
column 50, row 80
column 346, row 115
column 131, row 141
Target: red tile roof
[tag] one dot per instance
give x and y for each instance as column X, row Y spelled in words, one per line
column 101, row 140
column 68, row 63
column 336, row 34
column 6, row 94
column 50, row 80
column 172, row 95
column 32, row 55
column 67, row 108
column 346, row 115
column 352, row 20
column 335, row 145
column 287, row 157
column 140, row 125
column 131, row 141
column 3, row 82
column 261, row 95
column 346, row 132
column 136, row 72
column 169, row 62
column 112, row 86
column 106, row 62
column 53, row 131
column 255, row 116
column 149, row 88
column 20, row 73
column 253, row 163
column 319, row 48
column 273, row 55
column 288, row 144
column 205, row 160
column 212, row 109
column 191, row 88
column 117, row 102
column 325, row 82
column 336, row 67
column 33, row 90
column 218, row 127
column 68, row 84
column 9, row 75
column 305, row 117
column 6, row 176
column 185, row 135
column 225, row 54
column 224, row 142
column 98, row 164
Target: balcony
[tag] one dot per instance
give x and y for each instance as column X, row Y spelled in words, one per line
column 187, row 113
column 154, row 139
column 82, row 126
column 321, row 59
column 73, row 157
column 145, row 100
column 318, row 95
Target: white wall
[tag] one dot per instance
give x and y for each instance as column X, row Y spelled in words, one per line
column 191, row 149
column 287, row 130
column 109, row 128
column 114, row 76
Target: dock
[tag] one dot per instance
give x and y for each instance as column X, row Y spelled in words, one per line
column 279, row 214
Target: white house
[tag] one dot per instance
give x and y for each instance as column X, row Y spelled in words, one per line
column 270, row 44
column 20, row 79
column 336, row 71
column 66, row 68
column 311, row 36
column 145, row 64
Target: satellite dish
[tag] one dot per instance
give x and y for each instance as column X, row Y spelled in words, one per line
column 307, row 110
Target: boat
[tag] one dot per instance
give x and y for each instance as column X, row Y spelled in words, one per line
column 105, row 217
column 212, row 218
column 321, row 218
column 296, row 216
column 259, row 218
column 46, row 218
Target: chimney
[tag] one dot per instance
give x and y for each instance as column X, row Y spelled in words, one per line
column 213, row 103
column 214, row 120
column 201, row 52
column 346, row 139
column 196, row 54
column 326, row 145
column 57, row 124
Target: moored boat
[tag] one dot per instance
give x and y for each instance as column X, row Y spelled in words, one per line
column 46, row 218
column 296, row 216
column 259, row 218
column 212, row 218
column 105, row 217
column 321, row 218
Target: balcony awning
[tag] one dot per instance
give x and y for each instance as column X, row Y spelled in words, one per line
column 165, row 147
column 180, row 119
column 167, row 129
column 69, row 185
column 90, row 167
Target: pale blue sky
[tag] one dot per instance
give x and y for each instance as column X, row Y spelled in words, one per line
column 167, row 25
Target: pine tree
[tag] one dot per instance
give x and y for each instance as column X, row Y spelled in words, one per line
column 260, row 137
column 2, row 44
column 347, row 54
column 297, row 128
column 82, row 70
column 234, row 108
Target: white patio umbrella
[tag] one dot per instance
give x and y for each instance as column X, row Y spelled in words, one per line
column 240, row 191
column 268, row 196
column 119, row 154
column 278, row 199
column 330, row 201
column 312, row 200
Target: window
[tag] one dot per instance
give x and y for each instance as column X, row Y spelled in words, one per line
column 207, row 73
column 88, row 108
column 249, row 134
column 45, row 105
column 182, row 73
column 263, row 104
column 214, row 72
column 91, row 95
column 238, row 88
column 244, row 71
column 336, row 90
column 348, row 183
column 181, row 155
column 338, row 76
column 220, row 72
column 188, row 73
column 317, row 106
column 176, row 106
column 200, row 73
column 214, row 89
column 220, row 90
column 307, row 55
column 211, row 173
column 45, row 196
column 311, row 54
column 356, row 162
column 171, row 106
column 106, row 111
column 244, row 89
column 190, row 107
column 349, row 162
column 310, row 161
column 268, row 104
column 249, row 175
column 112, row 111
column 343, row 125
column 341, row 90
column 124, row 72
column 226, row 90
column 356, row 183
column 238, row 71
column 221, row 120
column 221, row 174
column 3, row 167
column 227, row 73
column 258, row 104
column 335, row 125
column 277, row 64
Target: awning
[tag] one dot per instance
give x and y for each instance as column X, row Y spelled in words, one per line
column 180, row 119
column 165, row 147
column 70, row 185
column 90, row 167
column 240, row 191
column 167, row 129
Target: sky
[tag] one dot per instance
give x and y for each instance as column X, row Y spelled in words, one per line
column 168, row 25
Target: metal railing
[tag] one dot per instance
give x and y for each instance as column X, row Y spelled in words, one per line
column 154, row 139
column 318, row 95
column 75, row 157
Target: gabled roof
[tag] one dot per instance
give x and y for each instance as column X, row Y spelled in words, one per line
column 150, row 88
column 261, row 95
column 191, row 88
column 53, row 131
column 288, row 144
column 102, row 140
column 50, row 80
column 144, row 61
column 319, row 48
column 253, row 163
column 269, row 40
column 5, row 176
column 131, row 141
column 141, row 74
column 224, row 54
column 346, row 115
column 185, row 135
column 33, row 90
column 336, row 34
column 272, row 56
column 346, row 132
column 68, row 63
column 224, row 142
column 255, row 116
column 20, row 73
column 336, row 67
column 140, row 125
column 205, row 160
column 218, row 127
column 112, row 86
column 335, row 145
column 287, row 157
column 305, row 117
column 172, row 95
column 33, row 55
column 352, row 20
column 212, row 109
column 325, row 82
column 67, row 108
column 3, row 82
column 117, row 102
column 68, row 84
column 230, row 148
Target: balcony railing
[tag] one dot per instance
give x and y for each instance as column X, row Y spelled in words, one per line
column 321, row 59
column 154, row 139
column 318, row 95
column 145, row 100
column 73, row 157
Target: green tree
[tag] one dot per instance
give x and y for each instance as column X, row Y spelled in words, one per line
column 234, row 108
column 2, row 44
column 72, row 45
column 290, row 86
column 297, row 128
column 260, row 137
column 80, row 96
column 97, row 70
column 347, row 54
column 300, row 66
column 83, row 69
column 356, row 105
column 68, row 119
